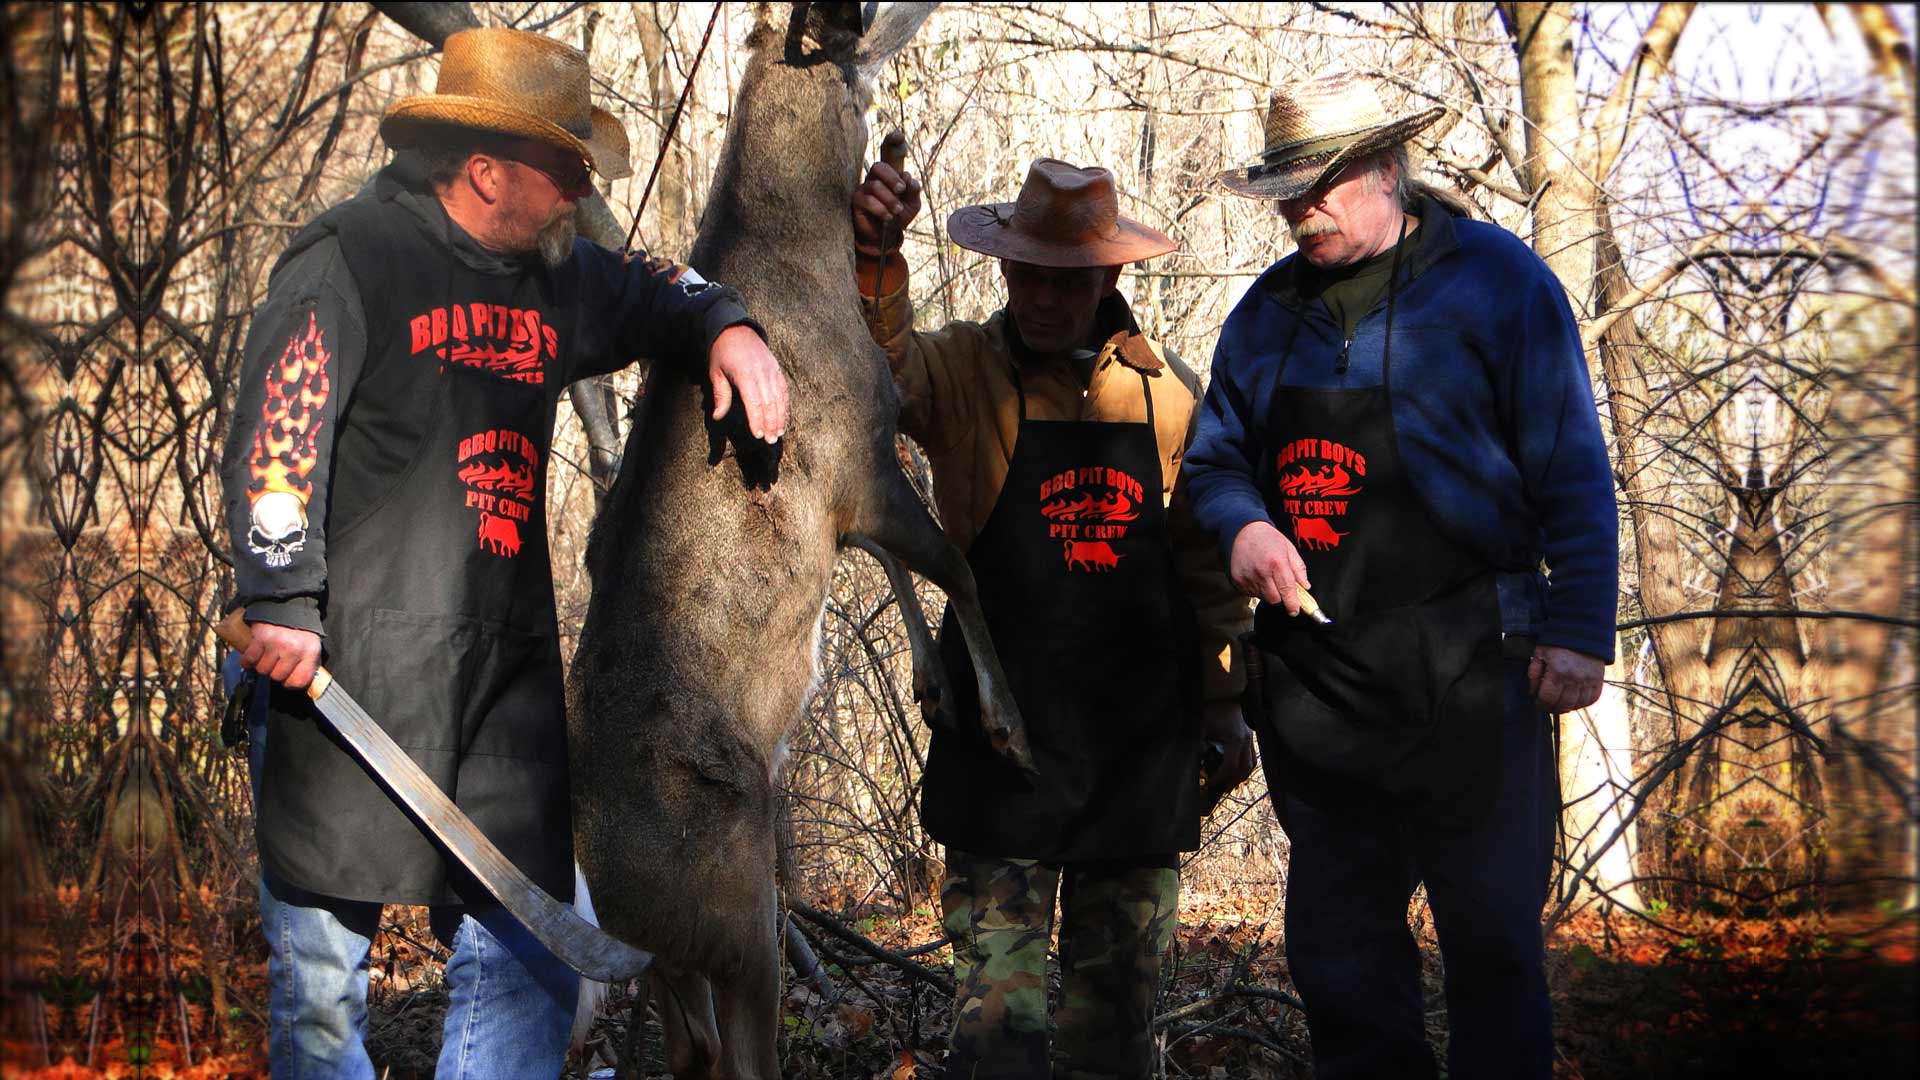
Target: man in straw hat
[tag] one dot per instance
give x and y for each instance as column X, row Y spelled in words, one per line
column 1400, row 420
column 1055, row 430
column 386, row 477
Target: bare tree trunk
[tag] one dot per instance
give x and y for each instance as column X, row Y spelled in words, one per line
column 1608, row 132
column 1594, row 773
column 1566, row 163
column 1891, row 52
column 431, row 22
column 1849, row 682
column 1563, row 191
column 1764, row 806
column 671, row 227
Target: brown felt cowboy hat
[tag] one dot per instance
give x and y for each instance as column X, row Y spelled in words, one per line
column 1065, row 217
column 1314, row 128
column 511, row 82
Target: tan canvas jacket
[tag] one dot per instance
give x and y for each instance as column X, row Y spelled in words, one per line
column 959, row 403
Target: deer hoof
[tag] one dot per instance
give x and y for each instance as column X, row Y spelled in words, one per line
column 927, row 691
column 934, row 712
column 1010, row 742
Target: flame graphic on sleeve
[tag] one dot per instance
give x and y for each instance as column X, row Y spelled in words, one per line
column 286, row 447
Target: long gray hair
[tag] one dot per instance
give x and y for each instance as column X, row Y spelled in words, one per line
column 1408, row 189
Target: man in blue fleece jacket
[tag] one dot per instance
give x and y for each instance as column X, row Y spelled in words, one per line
column 1400, row 420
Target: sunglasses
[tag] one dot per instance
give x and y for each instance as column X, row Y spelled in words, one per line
column 1319, row 191
column 571, row 176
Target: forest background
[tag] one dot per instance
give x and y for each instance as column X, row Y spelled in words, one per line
column 1726, row 191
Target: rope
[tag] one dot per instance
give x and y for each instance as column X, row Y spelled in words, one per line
column 673, row 125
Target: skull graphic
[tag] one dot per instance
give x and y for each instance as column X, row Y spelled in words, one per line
column 279, row 528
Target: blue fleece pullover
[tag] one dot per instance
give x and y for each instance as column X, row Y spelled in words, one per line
column 1491, row 405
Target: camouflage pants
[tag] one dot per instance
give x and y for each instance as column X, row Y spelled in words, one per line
column 1116, row 921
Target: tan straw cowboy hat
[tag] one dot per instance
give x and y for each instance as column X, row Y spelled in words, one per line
column 514, row 83
column 1065, row 217
column 1316, row 127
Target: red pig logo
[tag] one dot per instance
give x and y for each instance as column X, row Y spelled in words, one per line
column 1091, row 555
column 499, row 535
column 1316, row 534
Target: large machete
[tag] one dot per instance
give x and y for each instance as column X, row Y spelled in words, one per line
column 578, row 943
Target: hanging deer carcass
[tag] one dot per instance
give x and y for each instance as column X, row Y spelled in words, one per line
column 712, row 558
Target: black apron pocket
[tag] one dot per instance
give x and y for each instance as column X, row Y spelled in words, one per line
column 1398, row 710
column 515, row 704
column 422, row 667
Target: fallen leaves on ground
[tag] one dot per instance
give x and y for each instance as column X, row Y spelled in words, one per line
column 1693, row 995
column 1720, row 996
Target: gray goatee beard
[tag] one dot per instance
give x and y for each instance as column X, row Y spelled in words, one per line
column 555, row 241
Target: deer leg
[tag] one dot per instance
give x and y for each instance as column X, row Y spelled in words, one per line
column 928, row 681
column 749, row 1009
column 687, row 1026
column 901, row 525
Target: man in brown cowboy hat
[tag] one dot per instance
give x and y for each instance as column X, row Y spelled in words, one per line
column 386, row 477
column 1055, row 431
column 1400, row 419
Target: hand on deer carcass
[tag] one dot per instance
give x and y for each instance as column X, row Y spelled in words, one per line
column 741, row 363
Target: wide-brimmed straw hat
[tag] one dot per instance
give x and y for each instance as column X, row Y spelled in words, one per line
column 1316, row 127
column 1065, row 216
column 514, row 83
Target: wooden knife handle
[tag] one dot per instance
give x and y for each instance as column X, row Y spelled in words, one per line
column 893, row 150
column 235, row 631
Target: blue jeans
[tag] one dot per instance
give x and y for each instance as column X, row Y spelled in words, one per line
column 511, row 1001
column 1353, row 957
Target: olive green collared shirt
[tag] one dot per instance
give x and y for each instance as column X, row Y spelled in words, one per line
column 1350, row 291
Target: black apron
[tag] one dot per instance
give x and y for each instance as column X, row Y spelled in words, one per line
column 439, row 614
column 1396, row 707
column 1076, row 579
